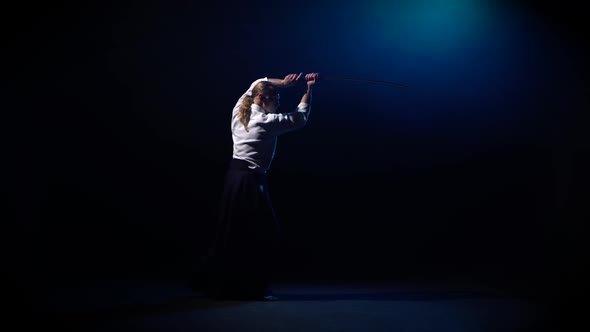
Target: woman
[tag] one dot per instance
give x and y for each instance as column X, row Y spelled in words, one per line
column 242, row 258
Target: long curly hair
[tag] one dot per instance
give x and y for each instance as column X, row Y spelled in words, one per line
column 264, row 87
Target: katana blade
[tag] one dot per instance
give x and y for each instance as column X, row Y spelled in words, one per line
column 333, row 78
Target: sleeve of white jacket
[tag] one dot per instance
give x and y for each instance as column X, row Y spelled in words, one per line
column 285, row 122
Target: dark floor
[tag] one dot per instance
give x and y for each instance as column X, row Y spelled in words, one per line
column 136, row 305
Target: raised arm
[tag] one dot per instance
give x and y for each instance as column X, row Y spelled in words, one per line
column 285, row 122
column 304, row 107
column 289, row 80
column 311, row 79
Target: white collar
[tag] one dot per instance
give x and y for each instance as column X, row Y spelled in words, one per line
column 258, row 109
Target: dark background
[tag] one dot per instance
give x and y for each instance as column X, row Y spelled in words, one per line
column 117, row 124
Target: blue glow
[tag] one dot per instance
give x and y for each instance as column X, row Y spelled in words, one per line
column 455, row 55
column 473, row 70
column 436, row 27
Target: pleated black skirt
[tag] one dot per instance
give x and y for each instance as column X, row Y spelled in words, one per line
column 244, row 252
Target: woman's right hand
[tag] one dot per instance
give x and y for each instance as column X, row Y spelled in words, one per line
column 312, row 78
